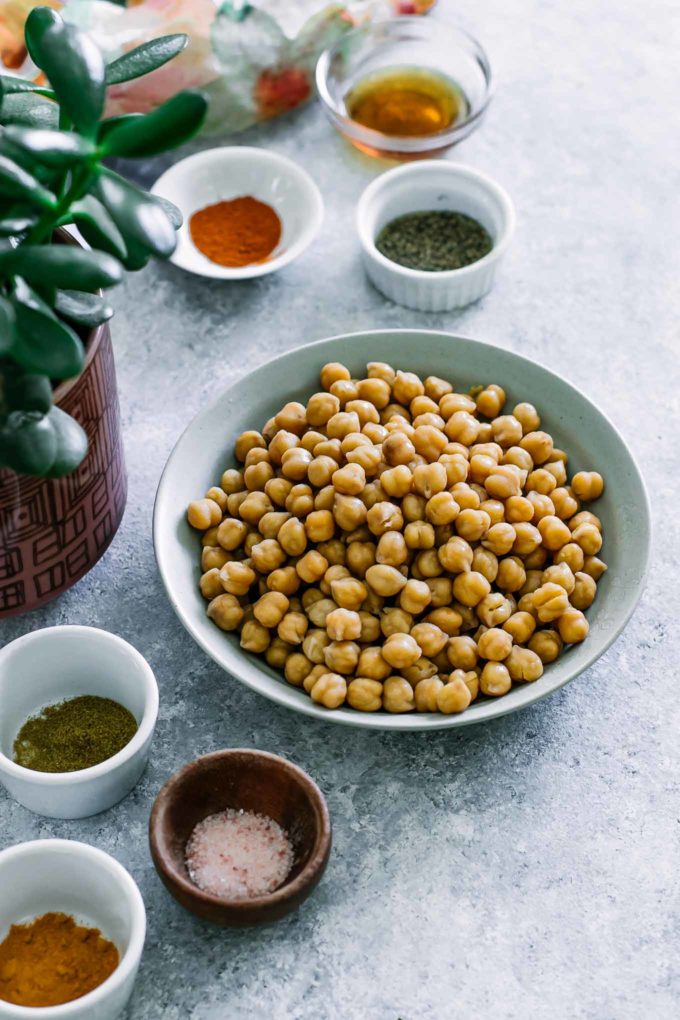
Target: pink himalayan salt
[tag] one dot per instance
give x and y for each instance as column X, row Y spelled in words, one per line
column 238, row 854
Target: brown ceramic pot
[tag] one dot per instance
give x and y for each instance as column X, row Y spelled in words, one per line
column 255, row 781
column 52, row 531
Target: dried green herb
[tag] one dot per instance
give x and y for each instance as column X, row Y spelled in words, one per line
column 74, row 734
column 434, row 241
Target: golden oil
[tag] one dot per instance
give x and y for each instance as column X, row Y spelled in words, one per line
column 407, row 102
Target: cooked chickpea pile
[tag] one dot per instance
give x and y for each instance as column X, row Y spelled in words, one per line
column 396, row 545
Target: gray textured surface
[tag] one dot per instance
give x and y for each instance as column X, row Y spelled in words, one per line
column 528, row 868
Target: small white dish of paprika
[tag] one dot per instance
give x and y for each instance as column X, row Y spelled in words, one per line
column 247, row 211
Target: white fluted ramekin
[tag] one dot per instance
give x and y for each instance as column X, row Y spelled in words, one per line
column 73, row 878
column 58, row 663
column 427, row 186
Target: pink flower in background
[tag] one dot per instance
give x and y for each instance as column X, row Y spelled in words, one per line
column 279, row 91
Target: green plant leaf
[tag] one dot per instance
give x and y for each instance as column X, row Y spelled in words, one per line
column 54, row 148
column 85, row 309
column 174, row 122
column 38, row 22
column 75, row 67
column 13, row 225
column 71, row 443
column 10, row 84
column 108, row 125
column 62, row 265
column 29, row 109
column 19, row 183
column 172, row 212
column 27, row 391
column 97, row 227
column 7, row 325
column 145, row 58
column 140, row 219
column 43, row 343
column 28, row 443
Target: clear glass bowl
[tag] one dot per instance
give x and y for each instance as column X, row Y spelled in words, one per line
column 404, row 42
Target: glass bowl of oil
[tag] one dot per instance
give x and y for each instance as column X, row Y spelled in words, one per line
column 406, row 88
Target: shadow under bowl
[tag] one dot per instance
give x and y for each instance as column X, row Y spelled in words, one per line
column 253, row 781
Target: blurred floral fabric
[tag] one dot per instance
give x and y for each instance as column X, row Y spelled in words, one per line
column 254, row 60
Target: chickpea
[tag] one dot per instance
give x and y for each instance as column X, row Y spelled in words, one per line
column 429, row 441
column 398, row 695
column 376, row 433
column 237, row 577
column 429, row 479
column 494, row 610
column 374, row 603
column 232, row 481
column 295, row 463
column 314, row 644
column 495, row 679
column 419, row 535
column 342, row 656
column 391, row 549
column 281, row 444
column 415, row 596
column 396, row 481
column 584, row 591
column 293, row 628
column 384, row 517
column 425, row 694
column 313, row 675
column 226, row 612
column 398, row 449
column 547, row 644
column 360, row 556
column 342, row 424
column 430, row 638
column 454, row 696
column 456, row 555
column 537, row 559
column 495, row 644
column 594, row 567
column 470, row 587
column 370, row 627
column 349, row 480
column 278, row 653
column 520, row 626
column 587, row 485
column 472, row 525
column 349, row 512
column 332, row 372
column 518, row 509
column 319, row 611
column 330, row 690
column 441, row 589
column 527, row 538
column 490, row 401
column 296, row 669
column 554, row 532
column 268, row 555
column 292, row 537
column 346, row 390
column 564, row 502
column 560, row 573
column 462, row 427
column 372, row 494
column 425, row 565
column 278, row 490
column 495, row 509
column 588, row 538
column 401, row 651
column 571, row 554
column 368, row 458
column 365, row 695
column 396, row 621
column 310, row 596
column 254, row 637
column 343, row 625
column 585, row 517
column 319, row 526
column 320, row 470
column 348, row 592
column 558, row 470
column 541, row 481
column 511, row 574
column 550, row 601
column 450, row 403
column 270, row 609
column 375, row 390
column 539, row 446
column 447, row 618
column 204, row 513
column 504, row 481
column 441, row 508
column 213, row 556
column 523, row 664
column 270, row 523
column 312, row 566
column 372, row 665
column 486, row 563
column 334, row 551
column 500, row 538
column 572, row 626
column 506, row 430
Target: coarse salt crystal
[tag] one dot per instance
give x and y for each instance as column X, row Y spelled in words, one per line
column 238, row 854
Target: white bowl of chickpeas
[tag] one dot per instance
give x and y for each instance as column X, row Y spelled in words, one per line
column 402, row 529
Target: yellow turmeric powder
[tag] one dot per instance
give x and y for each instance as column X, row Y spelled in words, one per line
column 53, row 960
column 241, row 232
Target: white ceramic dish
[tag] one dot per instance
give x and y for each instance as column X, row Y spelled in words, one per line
column 56, row 663
column 206, row 448
column 217, row 175
column 434, row 185
column 63, row 876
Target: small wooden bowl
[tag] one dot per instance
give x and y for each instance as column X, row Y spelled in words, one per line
column 255, row 781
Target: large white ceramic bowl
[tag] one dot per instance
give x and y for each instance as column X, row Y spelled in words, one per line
column 72, row 878
column 233, row 171
column 57, row 663
column 206, row 449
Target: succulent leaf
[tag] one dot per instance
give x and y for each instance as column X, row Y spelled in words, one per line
column 85, row 309
column 43, row 342
column 62, row 265
column 145, row 58
column 169, row 125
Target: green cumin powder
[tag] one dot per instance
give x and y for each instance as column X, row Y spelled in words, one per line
column 434, row 241
column 74, row 734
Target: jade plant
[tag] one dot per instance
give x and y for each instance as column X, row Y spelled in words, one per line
column 53, row 144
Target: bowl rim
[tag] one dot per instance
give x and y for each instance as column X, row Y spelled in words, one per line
column 112, row 870
column 228, row 154
column 404, row 143
column 278, row 691
column 144, row 730
column 285, row 892
column 456, row 171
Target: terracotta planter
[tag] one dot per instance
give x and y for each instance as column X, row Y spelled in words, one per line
column 53, row 531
